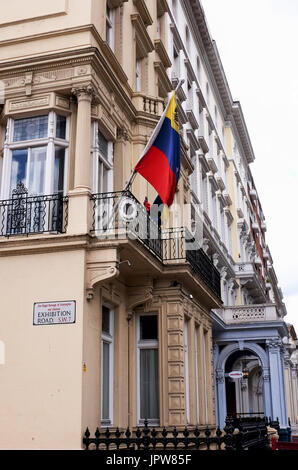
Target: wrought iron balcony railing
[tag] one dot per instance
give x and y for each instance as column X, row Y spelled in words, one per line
column 24, row 215
column 120, row 215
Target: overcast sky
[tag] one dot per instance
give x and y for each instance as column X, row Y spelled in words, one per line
column 257, row 42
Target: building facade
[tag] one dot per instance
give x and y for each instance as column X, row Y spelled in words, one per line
column 249, row 332
column 152, row 328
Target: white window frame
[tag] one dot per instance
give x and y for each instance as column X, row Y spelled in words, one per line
column 108, row 338
column 138, row 75
column 110, row 26
column 50, row 142
column 146, row 344
column 98, row 158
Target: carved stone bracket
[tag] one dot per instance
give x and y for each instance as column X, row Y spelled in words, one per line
column 122, row 133
column 99, row 269
column 138, row 296
column 273, row 344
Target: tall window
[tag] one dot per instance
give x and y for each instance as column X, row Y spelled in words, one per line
column 102, row 150
column 110, row 26
column 199, row 71
column 204, row 194
column 189, row 93
column 148, row 380
column 107, row 366
column 214, row 209
column 176, row 62
column 35, row 155
column 207, row 94
column 187, row 38
column 138, row 75
column 223, row 225
column 174, row 6
column 230, row 238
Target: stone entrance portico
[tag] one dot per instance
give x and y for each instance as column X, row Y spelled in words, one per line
column 264, row 341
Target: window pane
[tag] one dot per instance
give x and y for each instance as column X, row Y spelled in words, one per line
column 149, row 396
column 30, row 128
column 148, row 327
column 103, row 145
column 61, row 127
column 59, row 170
column 37, row 171
column 105, row 381
column 105, row 319
column 105, row 173
column 18, row 168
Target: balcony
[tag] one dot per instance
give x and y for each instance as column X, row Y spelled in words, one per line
column 249, row 276
column 148, row 104
column 119, row 215
column 212, row 164
column 250, row 313
column 27, row 215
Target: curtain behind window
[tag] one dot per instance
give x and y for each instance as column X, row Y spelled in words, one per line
column 149, row 394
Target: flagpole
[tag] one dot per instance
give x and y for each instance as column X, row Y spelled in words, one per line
column 134, row 173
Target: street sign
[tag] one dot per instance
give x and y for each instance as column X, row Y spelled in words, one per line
column 54, row 313
column 236, row 374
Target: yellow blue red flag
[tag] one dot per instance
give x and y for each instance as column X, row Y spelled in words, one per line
column 160, row 162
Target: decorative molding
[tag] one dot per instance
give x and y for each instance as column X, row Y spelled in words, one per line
column 161, row 51
column 220, row 377
column 144, row 42
column 99, row 268
column 162, row 7
column 24, row 104
column 82, row 91
column 163, row 76
column 144, row 12
column 138, row 296
column 122, row 133
column 62, row 102
column 117, row 3
column 273, row 344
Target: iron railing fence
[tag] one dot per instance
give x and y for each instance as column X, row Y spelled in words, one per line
column 231, row 438
column 24, row 215
column 180, row 244
column 120, row 215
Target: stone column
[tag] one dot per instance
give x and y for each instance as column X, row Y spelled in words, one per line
column 221, row 397
column 277, row 382
column 83, row 137
column 215, row 359
column 267, row 393
column 121, row 169
column 176, row 359
column 80, row 207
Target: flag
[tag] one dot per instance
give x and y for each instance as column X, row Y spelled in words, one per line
column 160, row 162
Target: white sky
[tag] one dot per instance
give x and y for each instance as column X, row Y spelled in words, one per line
column 257, row 41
